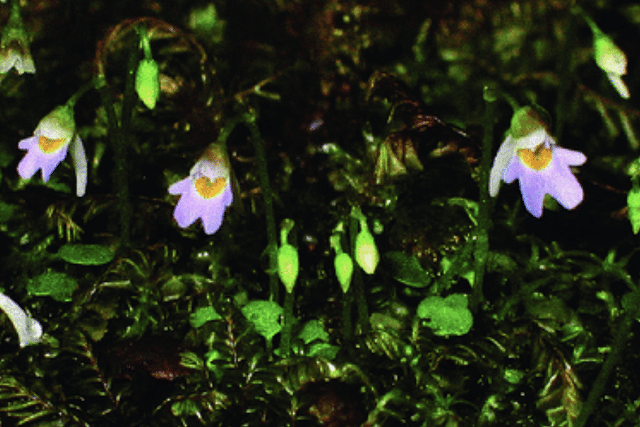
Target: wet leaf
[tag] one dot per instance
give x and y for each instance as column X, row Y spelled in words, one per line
column 86, row 254
column 56, row 285
column 265, row 317
column 203, row 315
column 406, row 269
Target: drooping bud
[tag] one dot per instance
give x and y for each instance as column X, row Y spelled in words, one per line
column 367, row 255
column 148, row 82
column 612, row 60
column 288, row 266
column 344, row 270
column 633, row 202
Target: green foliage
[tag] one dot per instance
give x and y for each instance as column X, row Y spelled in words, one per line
column 407, row 270
column 86, row 254
column 203, row 315
column 446, row 316
column 265, row 317
column 58, row 286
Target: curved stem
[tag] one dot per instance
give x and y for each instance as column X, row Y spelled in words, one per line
column 263, row 177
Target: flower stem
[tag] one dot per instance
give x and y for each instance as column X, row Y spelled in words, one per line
column 263, row 177
column 94, row 83
column 486, row 204
column 285, row 338
column 565, row 74
column 357, row 284
column 121, row 148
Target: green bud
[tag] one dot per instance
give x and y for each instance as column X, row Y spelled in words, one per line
column 344, row 270
column 148, row 82
column 367, row 255
column 633, row 202
column 288, row 266
column 609, row 57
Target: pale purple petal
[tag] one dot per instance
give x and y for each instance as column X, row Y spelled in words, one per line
column 212, row 218
column 568, row 157
column 227, row 196
column 27, row 143
column 187, row 209
column 533, row 190
column 48, row 162
column 564, row 187
column 513, row 171
column 28, row 166
column 181, row 187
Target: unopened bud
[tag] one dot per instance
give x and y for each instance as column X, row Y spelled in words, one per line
column 344, row 270
column 148, row 82
column 367, row 255
column 288, row 266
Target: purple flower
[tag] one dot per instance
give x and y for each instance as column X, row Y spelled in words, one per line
column 48, row 146
column 206, row 192
column 541, row 166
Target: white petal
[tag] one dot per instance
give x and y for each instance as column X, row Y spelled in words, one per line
column 618, row 83
column 500, row 163
column 29, row 330
column 79, row 158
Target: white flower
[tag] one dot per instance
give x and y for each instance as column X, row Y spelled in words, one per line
column 29, row 330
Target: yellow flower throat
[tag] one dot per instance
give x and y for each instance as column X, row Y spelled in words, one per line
column 48, row 145
column 207, row 188
column 538, row 159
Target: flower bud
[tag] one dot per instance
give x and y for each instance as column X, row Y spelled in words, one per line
column 367, row 255
column 612, row 60
column 344, row 270
column 609, row 57
column 148, row 82
column 633, row 202
column 288, row 266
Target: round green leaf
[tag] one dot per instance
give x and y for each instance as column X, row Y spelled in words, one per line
column 86, row 254
column 56, row 285
column 264, row 315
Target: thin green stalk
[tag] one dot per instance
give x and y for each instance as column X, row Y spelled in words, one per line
column 357, row 282
column 285, row 338
column 486, row 204
column 267, row 195
column 565, row 74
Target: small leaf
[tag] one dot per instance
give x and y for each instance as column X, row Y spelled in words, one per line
column 406, row 269
column 203, row 315
column 264, row 315
column 56, row 285
column 313, row 330
column 86, row 254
